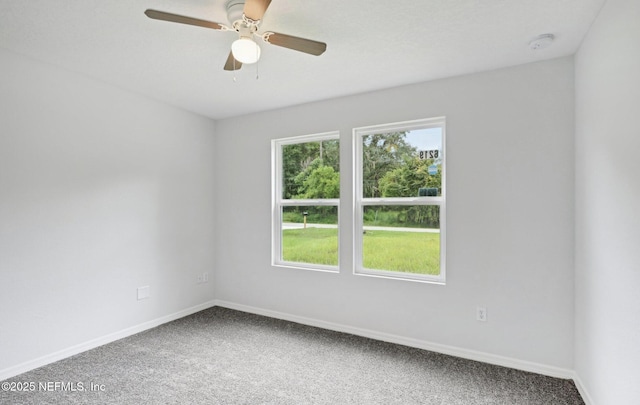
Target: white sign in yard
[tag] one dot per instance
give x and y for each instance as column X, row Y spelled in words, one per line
column 429, row 154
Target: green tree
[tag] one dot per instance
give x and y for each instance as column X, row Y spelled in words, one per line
column 330, row 154
column 382, row 153
column 318, row 181
column 296, row 158
column 406, row 181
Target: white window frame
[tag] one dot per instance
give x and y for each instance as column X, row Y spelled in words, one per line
column 360, row 202
column 278, row 202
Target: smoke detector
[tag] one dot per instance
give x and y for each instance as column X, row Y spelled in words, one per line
column 541, row 41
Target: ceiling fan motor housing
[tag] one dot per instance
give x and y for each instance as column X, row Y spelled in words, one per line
column 235, row 10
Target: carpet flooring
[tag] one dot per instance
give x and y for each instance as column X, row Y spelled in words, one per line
column 223, row 356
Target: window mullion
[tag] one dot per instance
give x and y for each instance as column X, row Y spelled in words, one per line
column 323, row 202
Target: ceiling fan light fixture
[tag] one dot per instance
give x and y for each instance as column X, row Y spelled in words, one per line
column 245, row 50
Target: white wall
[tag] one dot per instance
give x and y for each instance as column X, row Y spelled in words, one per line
column 607, row 346
column 101, row 191
column 509, row 216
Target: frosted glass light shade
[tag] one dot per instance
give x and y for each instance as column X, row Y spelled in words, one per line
column 245, row 50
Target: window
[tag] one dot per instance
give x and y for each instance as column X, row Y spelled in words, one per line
column 306, row 192
column 399, row 213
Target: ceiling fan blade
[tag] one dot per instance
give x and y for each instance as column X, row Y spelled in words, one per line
column 161, row 15
column 255, row 9
column 232, row 63
column 296, row 43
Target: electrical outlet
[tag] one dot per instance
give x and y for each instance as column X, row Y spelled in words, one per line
column 481, row 314
column 203, row 278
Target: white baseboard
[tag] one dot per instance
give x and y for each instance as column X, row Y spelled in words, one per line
column 523, row 365
column 92, row 344
column 543, row 369
column 582, row 390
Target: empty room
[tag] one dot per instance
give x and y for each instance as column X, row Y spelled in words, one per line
column 320, row 202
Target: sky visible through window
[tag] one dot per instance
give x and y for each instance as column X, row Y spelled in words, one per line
column 425, row 139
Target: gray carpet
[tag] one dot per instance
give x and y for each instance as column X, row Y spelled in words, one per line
column 222, row 356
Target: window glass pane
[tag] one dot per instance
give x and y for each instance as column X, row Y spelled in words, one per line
column 311, row 170
column 402, row 238
column 402, row 164
column 310, row 234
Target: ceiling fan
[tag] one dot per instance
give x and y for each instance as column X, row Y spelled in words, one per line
column 245, row 17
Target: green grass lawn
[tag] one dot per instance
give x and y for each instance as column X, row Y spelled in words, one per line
column 311, row 245
column 408, row 252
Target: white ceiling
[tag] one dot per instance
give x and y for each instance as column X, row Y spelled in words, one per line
column 371, row 44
